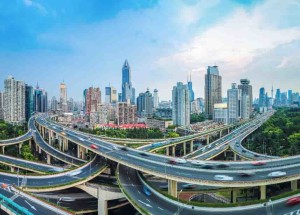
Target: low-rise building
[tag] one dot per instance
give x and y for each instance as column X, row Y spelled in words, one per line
column 220, row 113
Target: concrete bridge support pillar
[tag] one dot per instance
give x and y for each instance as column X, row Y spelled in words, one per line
column 234, row 196
column 40, row 150
column 228, row 130
column 81, row 152
column 20, row 147
column 30, row 143
column 191, row 146
column 12, row 169
column 60, row 139
column 234, row 156
column 172, row 188
column 263, row 192
column 50, row 137
column 102, row 204
column 3, row 149
column 184, row 148
column 48, row 159
column 221, row 133
column 167, row 151
column 207, row 139
column 64, row 144
column 294, row 185
column 173, row 151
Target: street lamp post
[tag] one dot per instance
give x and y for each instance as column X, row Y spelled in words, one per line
column 178, row 201
column 57, row 204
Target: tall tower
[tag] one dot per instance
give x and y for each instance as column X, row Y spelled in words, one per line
column 14, row 101
column 233, row 104
column 128, row 92
column 63, row 97
column 155, row 98
column 191, row 91
column 213, row 90
column 181, row 105
column 247, row 98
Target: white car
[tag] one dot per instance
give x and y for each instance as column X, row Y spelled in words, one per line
column 277, row 174
column 179, row 160
column 196, row 162
column 223, row 178
column 75, row 173
column 81, row 139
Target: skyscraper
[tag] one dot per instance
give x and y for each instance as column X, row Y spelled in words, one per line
column 213, row 89
column 92, row 99
column 128, row 92
column 145, row 104
column 63, row 97
column 262, row 97
column 277, row 101
column 155, row 98
column 110, row 95
column 14, row 101
column 233, row 104
column 290, row 97
column 29, row 103
column 53, row 104
column 181, row 105
column 191, row 91
column 40, row 100
column 246, row 89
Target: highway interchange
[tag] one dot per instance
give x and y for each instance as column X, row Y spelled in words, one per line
column 132, row 160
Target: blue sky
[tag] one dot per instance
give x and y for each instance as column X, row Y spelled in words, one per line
column 85, row 43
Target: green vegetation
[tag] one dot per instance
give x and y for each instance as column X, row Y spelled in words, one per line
column 279, row 136
column 27, row 153
column 172, row 134
column 8, row 131
column 197, row 117
column 135, row 133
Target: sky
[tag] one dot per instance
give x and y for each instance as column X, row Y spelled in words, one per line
column 85, row 43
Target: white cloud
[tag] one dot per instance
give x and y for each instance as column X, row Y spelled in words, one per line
column 283, row 62
column 31, row 3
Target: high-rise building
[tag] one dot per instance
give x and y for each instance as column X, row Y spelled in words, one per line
column 145, row 104
column 71, row 105
column 191, row 91
column 63, row 97
column 126, row 113
column 92, row 99
column 128, row 92
column 262, row 97
column 245, row 104
column 181, row 105
column 290, row 97
column 221, row 113
column 213, row 90
column 40, row 100
column 119, row 97
column 54, row 104
column 155, row 98
column 29, row 102
column 277, row 101
column 14, row 101
column 246, row 89
column 195, row 107
column 1, row 106
column 110, row 95
column 233, row 104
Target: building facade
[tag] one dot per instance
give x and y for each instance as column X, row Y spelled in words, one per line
column 14, row 101
column 128, row 92
column 181, row 105
column 29, row 102
column 233, row 104
column 1, row 106
column 63, row 104
column 246, row 90
column 221, row 113
column 155, row 98
column 126, row 113
column 145, row 104
column 213, row 90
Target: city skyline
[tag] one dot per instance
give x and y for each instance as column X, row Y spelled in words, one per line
column 90, row 51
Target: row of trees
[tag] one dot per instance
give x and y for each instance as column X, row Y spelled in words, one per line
column 280, row 135
column 10, row 131
column 197, row 117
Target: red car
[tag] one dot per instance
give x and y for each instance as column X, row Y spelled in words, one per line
column 93, row 146
column 258, row 163
column 293, row 201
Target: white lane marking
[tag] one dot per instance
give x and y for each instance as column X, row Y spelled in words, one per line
column 145, row 204
column 148, row 200
column 160, row 208
column 31, row 206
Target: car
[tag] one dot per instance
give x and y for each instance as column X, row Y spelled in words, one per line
column 208, row 166
column 256, row 155
column 146, row 191
column 93, row 146
column 246, row 174
column 124, row 148
column 143, row 154
column 81, row 139
column 171, row 161
column 223, row 165
column 277, row 174
column 115, row 147
column 293, row 201
column 62, row 133
column 196, row 162
column 258, row 163
column 243, row 150
column 75, row 172
column 89, row 138
column 180, row 160
column 237, row 145
column 223, row 178
column 189, row 186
